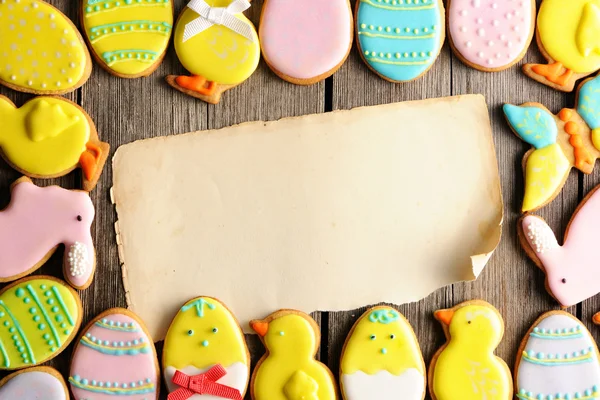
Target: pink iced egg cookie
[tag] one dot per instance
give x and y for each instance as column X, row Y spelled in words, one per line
column 491, row 35
column 114, row 358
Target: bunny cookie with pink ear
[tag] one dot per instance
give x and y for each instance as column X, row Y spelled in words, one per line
column 573, row 269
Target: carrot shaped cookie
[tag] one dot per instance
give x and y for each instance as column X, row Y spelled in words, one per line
column 560, row 142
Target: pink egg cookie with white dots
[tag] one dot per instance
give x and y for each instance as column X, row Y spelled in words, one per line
column 491, row 35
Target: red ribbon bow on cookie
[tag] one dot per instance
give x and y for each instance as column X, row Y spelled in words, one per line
column 205, row 383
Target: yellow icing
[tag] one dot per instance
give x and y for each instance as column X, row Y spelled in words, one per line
column 117, row 34
column 467, row 368
column 569, row 32
column 545, row 172
column 46, row 136
column 227, row 346
column 596, row 138
column 218, row 54
column 290, row 370
column 31, row 312
column 40, row 49
column 364, row 353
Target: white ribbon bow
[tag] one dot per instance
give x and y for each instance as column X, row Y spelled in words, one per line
column 224, row 16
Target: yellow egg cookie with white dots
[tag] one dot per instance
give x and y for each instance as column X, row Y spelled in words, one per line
column 41, row 50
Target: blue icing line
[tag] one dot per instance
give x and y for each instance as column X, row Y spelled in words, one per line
column 107, row 390
column 589, row 102
column 384, row 316
column 199, row 305
column 115, row 351
column 45, row 314
column 534, row 125
column 540, row 359
column 382, row 31
column 21, row 333
column 62, row 305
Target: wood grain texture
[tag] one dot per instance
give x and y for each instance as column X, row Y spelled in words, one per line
column 127, row 110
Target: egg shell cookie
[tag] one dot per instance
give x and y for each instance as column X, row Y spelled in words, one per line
column 568, row 35
column 205, row 342
column 558, row 359
column 219, row 52
column 465, row 367
column 39, row 317
column 400, row 40
column 305, row 42
column 571, row 269
column 381, row 359
column 289, row 370
column 491, row 35
column 35, row 383
column 36, row 222
column 128, row 38
column 41, row 50
column 560, row 142
column 48, row 137
column 115, row 358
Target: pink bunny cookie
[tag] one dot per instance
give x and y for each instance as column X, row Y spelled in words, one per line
column 36, row 222
column 572, row 270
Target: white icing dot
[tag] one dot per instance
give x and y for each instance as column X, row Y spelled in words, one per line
column 495, row 22
column 52, row 25
column 34, row 63
column 30, row 82
column 36, row 28
column 494, row 5
column 498, row 55
column 13, row 77
column 63, row 41
column 40, row 15
column 480, row 20
column 70, row 80
column 481, row 32
column 480, row 54
column 34, row 41
column 11, row 27
column 491, row 43
column 464, row 13
column 509, row 44
column 502, row 37
column 13, row 46
column 8, row 67
column 516, row 28
column 57, row 55
column 490, row 61
column 476, row 3
column 463, row 28
column 22, row 22
column 508, row 15
column 34, row 5
column 52, row 16
column 72, row 64
column 43, row 85
column 58, row 84
column 468, row 44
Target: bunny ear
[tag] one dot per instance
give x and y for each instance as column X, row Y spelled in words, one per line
column 534, row 125
column 539, row 235
column 589, row 102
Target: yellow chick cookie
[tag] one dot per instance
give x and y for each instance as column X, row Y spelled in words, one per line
column 289, row 371
column 217, row 44
column 205, row 344
column 465, row 368
column 382, row 359
column 568, row 34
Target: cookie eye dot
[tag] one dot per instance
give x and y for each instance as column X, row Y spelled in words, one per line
column 392, row 336
column 215, row 330
column 79, row 218
column 373, row 337
column 468, row 322
column 563, row 280
column 190, row 332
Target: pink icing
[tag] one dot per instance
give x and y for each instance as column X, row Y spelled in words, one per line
column 576, row 261
column 490, row 33
column 34, row 385
column 91, row 364
column 39, row 219
column 304, row 39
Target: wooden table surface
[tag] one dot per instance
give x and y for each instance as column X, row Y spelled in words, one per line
column 128, row 110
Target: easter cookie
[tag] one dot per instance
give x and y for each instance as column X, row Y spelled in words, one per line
column 288, row 370
column 205, row 342
column 39, row 317
column 490, row 35
column 41, row 50
column 48, row 137
column 304, row 42
column 128, row 38
column 465, row 367
column 571, row 269
column 35, row 383
column 217, row 44
column 115, row 358
column 560, row 142
column 381, row 359
column 568, row 35
column 558, row 359
column 400, row 40
column 36, row 222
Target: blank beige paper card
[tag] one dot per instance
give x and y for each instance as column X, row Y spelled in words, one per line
column 324, row 212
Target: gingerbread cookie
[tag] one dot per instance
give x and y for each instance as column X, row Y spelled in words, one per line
column 115, row 358
column 217, row 44
column 39, row 317
column 490, row 35
column 205, row 342
column 289, row 370
column 41, row 50
column 465, row 367
column 557, row 359
column 48, row 137
column 560, row 142
column 128, row 38
column 400, row 40
column 305, row 42
column 35, row 383
column 570, row 269
column 568, row 35
column 36, row 222
column 381, row 359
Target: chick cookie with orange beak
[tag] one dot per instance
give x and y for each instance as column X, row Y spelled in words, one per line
column 289, row 371
column 465, row 368
column 205, row 355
